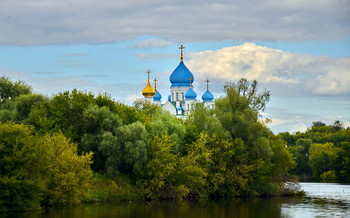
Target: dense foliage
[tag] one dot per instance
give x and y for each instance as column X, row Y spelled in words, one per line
column 47, row 144
column 322, row 152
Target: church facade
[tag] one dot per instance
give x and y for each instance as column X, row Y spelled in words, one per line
column 182, row 96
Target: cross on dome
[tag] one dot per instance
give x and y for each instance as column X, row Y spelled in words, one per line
column 148, row 72
column 181, row 53
column 155, row 83
column 207, row 81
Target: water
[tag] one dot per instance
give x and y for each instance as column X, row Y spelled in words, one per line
column 322, row 200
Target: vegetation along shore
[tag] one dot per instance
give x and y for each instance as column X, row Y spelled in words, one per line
column 78, row 147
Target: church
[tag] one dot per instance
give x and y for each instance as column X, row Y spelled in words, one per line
column 182, row 96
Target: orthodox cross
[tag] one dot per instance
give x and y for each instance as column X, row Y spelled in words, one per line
column 148, row 72
column 181, row 54
column 207, row 81
column 155, row 83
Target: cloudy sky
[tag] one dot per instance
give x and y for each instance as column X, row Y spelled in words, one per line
column 297, row 49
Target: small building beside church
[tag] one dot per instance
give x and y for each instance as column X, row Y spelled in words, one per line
column 182, row 96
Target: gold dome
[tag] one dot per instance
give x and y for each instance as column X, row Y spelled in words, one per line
column 148, row 91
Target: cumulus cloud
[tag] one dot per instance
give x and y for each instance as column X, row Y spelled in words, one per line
column 36, row 22
column 319, row 75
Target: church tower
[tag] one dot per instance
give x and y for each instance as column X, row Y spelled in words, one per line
column 148, row 92
column 208, row 97
column 157, row 97
column 181, row 81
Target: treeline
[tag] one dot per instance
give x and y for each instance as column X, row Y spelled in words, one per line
column 322, row 152
column 47, row 146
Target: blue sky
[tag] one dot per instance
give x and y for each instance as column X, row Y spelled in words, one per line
column 297, row 49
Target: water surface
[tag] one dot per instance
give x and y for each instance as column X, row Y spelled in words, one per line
column 322, row 200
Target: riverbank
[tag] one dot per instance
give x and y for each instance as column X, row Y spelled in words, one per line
column 321, row 200
column 103, row 188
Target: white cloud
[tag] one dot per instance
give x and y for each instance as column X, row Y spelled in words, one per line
column 319, row 75
column 37, row 22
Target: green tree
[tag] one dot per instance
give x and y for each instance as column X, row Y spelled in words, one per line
column 132, row 141
column 67, row 173
column 301, row 154
column 9, row 89
column 66, row 110
column 100, row 130
column 322, row 158
column 39, row 170
column 127, row 113
column 343, row 162
column 161, row 163
column 24, row 104
column 21, row 168
column 246, row 94
column 163, row 123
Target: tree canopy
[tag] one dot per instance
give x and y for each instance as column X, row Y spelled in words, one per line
column 48, row 145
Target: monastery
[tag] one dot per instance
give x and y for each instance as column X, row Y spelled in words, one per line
column 182, row 96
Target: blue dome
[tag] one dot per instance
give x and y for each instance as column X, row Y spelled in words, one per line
column 179, row 108
column 181, row 77
column 190, row 94
column 157, row 96
column 207, row 96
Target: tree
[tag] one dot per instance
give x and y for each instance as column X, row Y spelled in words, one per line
column 99, row 130
column 122, row 151
column 163, row 123
column 9, row 89
column 66, row 110
column 67, row 173
column 342, row 168
column 338, row 125
column 161, row 163
column 246, row 94
column 301, row 154
column 22, row 181
column 39, row 170
column 322, row 158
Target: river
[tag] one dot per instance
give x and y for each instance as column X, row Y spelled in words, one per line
column 322, row 200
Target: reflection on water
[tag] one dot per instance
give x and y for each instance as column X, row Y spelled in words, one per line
column 327, row 200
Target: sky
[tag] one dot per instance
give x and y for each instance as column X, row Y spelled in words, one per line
column 299, row 50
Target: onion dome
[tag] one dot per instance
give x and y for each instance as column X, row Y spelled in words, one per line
column 148, row 91
column 190, row 94
column 179, row 108
column 157, row 96
column 207, row 96
column 181, row 76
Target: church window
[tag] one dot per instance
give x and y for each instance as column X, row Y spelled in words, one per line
column 177, row 96
column 182, row 96
column 172, row 96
